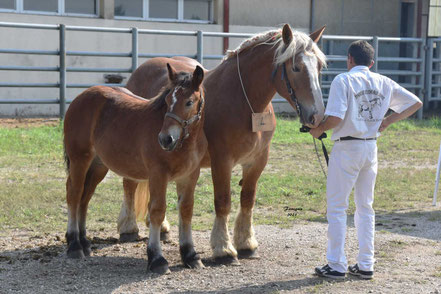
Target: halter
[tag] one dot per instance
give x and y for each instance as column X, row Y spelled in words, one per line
column 186, row 123
column 303, row 129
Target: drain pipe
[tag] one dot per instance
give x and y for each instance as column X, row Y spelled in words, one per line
column 226, row 24
column 311, row 16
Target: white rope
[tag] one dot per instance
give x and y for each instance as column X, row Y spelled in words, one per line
column 243, row 88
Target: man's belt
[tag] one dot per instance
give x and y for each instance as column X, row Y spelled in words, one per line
column 353, row 138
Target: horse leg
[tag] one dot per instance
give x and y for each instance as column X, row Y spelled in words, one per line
column 244, row 238
column 74, row 188
column 185, row 189
column 96, row 173
column 127, row 227
column 165, row 228
column 157, row 206
column 223, row 250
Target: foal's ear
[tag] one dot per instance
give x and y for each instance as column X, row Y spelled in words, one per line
column 286, row 34
column 171, row 73
column 198, row 76
column 317, row 34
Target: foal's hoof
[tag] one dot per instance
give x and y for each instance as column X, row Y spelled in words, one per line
column 159, row 266
column 227, row 260
column 128, row 237
column 248, row 253
column 165, row 236
column 86, row 246
column 75, row 254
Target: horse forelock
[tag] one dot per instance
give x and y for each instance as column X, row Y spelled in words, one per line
column 301, row 43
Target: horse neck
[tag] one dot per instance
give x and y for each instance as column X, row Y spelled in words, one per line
column 256, row 66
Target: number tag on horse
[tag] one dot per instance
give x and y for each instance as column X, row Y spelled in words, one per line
column 262, row 122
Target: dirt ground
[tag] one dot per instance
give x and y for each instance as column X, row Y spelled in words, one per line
column 408, row 260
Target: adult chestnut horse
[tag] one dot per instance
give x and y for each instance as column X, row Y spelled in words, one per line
column 283, row 61
column 111, row 128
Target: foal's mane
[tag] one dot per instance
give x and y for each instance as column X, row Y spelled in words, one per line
column 183, row 79
column 301, row 43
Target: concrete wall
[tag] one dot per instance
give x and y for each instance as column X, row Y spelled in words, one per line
column 360, row 18
column 270, row 13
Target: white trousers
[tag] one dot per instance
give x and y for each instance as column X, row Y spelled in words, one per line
column 352, row 164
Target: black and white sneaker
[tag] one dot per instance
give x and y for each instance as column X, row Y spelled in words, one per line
column 355, row 271
column 328, row 272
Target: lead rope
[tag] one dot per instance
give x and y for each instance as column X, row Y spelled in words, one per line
column 318, row 156
column 241, row 83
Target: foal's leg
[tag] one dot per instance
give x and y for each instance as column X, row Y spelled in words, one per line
column 185, row 189
column 157, row 206
column 96, row 173
column 75, row 187
column 223, row 250
column 127, row 227
column 244, row 238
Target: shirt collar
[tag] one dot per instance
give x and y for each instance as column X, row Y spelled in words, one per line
column 360, row 68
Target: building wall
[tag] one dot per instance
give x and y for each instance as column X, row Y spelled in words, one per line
column 89, row 41
column 270, row 13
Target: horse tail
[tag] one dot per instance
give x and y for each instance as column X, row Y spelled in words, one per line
column 142, row 198
column 66, row 158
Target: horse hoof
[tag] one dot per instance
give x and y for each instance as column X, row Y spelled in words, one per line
column 87, row 251
column 165, row 236
column 248, row 253
column 227, row 260
column 128, row 237
column 194, row 264
column 75, row 254
column 159, row 266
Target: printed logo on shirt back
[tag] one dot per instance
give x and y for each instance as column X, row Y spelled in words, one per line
column 369, row 105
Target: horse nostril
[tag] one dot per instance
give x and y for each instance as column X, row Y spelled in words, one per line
column 165, row 140
column 312, row 119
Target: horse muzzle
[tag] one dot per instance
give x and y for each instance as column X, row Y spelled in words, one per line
column 167, row 141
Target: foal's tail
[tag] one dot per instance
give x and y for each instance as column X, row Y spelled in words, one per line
column 142, row 198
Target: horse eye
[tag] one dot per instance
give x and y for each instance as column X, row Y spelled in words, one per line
column 189, row 103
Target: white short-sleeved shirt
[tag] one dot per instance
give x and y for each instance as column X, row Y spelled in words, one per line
column 361, row 99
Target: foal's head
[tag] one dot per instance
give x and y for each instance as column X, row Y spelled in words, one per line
column 185, row 103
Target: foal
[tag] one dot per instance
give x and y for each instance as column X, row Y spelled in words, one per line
column 158, row 140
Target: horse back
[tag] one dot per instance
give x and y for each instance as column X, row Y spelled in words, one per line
column 151, row 76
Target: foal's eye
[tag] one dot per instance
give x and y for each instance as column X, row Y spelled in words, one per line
column 189, row 103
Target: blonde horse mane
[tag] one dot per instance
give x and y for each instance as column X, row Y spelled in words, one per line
column 301, row 43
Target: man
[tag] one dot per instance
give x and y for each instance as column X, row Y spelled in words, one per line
column 357, row 105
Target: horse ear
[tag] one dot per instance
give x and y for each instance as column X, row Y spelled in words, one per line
column 286, row 34
column 317, row 34
column 198, row 76
column 171, row 73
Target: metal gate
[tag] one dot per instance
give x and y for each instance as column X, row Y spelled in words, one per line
column 412, row 69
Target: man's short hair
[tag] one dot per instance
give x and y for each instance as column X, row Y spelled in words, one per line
column 362, row 52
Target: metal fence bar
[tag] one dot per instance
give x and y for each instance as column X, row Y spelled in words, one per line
column 36, row 52
column 62, row 71
column 134, row 49
column 29, row 68
column 432, row 82
column 376, row 47
column 200, row 47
